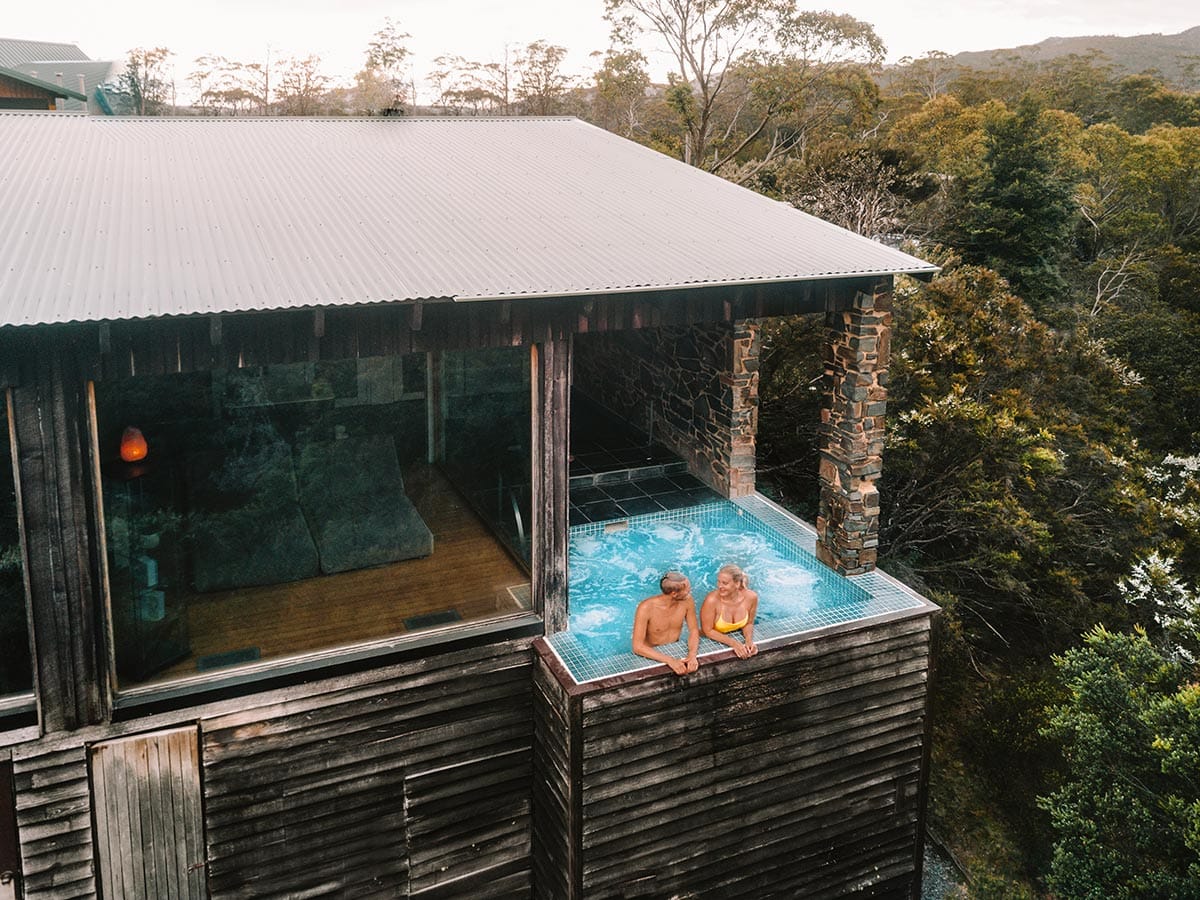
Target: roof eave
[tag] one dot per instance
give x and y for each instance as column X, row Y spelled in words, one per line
column 923, row 274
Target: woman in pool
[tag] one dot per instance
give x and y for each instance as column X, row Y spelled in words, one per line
column 731, row 608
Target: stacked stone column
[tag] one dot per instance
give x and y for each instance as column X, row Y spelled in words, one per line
column 745, row 345
column 852, row 430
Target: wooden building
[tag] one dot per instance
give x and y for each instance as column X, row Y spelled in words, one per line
column 288, row 414
column 20, row 90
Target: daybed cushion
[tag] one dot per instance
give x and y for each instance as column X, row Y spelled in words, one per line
column 245, row 522
column 353, row 495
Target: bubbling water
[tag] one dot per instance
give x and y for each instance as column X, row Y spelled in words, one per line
column 611, row 572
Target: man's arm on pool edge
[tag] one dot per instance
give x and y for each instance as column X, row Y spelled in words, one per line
column 692, row 662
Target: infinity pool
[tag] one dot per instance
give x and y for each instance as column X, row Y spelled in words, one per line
column 614, row 565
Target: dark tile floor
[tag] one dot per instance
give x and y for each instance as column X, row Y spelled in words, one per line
column 617, row 471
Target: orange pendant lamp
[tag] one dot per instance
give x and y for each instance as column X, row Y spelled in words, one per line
column 133, row 445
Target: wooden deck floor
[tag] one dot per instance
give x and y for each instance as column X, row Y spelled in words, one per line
column 469, row 573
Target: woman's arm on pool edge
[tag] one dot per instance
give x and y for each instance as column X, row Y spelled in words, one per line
column 751, row 613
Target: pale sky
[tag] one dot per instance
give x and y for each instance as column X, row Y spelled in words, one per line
column 338, row 30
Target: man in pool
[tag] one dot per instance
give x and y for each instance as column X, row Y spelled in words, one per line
column 659, row 620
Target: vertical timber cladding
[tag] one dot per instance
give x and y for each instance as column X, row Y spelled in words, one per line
column 410, row 781
column 793, row 774
column 148, row 820
column 50, row 426
column 551, row 426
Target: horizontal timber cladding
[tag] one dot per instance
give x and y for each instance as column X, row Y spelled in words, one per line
column 414, row 782
column 194, row 343
column 554, row 865
column 54, row 822
column 792, row 774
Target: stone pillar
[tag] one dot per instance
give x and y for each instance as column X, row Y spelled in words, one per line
column 854, row 400
column 745, row 345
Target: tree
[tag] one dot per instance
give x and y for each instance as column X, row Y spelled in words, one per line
column 145, row 80
column 864, row 189
column 302, row 87
column 541, row 85
column 386, row 57
column 740, row 64
column 622, row 83
column 1017, row 213
column 925, row 77
column 466, row 85
column 228, row 85
column 1141, row 101
column 1127, row 817
column 1009, row 484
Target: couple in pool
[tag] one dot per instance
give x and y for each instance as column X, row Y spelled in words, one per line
column 724, row 612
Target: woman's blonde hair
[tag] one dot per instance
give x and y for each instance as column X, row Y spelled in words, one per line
column 735, row 572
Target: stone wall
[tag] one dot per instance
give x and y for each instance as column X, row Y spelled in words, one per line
column 694, row 390
column 854, row 402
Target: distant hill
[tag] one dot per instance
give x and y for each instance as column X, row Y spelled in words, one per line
column 1176, row 57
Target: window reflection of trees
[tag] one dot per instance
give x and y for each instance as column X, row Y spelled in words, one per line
column 274, row 475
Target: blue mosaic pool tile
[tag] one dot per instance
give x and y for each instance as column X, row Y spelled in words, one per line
column 860, row 597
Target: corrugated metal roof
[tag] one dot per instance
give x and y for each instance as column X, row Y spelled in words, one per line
column 14, row 51
column 95, row 72
column 106, row 218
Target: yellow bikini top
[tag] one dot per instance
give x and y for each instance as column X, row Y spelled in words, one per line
column 725, row 627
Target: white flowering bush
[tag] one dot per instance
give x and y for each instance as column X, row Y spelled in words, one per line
column 1154, row 588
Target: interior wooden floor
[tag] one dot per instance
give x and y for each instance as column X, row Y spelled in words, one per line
column 469, row 572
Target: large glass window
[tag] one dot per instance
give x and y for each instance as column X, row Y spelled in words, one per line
column 276, row 511
column 16, row 668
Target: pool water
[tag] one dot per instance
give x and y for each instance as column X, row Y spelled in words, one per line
column 614, row 565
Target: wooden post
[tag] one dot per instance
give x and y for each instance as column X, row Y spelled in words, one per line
column 551, row 424
column 50, row 426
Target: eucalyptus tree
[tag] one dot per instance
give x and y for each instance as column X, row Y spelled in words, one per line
column 622, row 84
column 467, row 86
column 146, row 80
column 751, row 77
column 542, row 86
column 302, row 86
column 387, row 57
column 223, row 84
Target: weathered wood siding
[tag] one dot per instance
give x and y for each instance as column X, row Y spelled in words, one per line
column 551, row 436
column 149, row 827
column 54, row 821
column 415, row 783
column 54, row 483
column 794, row 774
column 411, row 781
column 554, row 795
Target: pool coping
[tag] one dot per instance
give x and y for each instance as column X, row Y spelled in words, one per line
column 768, row 512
